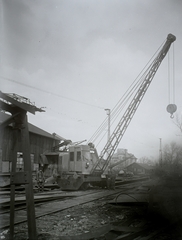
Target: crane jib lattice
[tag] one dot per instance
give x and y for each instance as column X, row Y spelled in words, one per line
column 120, row 129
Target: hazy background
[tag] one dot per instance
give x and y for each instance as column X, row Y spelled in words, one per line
column 78, row 57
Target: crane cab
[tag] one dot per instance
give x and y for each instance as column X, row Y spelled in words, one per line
column 79, row 159
column 75, row 167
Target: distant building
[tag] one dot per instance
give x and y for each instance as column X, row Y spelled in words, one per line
column 139, row 168
column 123, row 158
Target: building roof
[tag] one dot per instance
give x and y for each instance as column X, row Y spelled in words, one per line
column 143, row 165
column 32, row 128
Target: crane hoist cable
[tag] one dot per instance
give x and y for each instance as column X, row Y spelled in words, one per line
column 171, row 107
column 115, row 138
column 117, row 109
column 115, row 112
column 171, row 79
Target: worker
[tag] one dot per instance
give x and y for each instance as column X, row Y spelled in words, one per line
column 40, row 179
column 108, row 176
column 111, row 176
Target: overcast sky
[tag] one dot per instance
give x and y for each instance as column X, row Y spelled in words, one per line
column 78, row 57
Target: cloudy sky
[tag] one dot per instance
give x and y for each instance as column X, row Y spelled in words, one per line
column 78, row 57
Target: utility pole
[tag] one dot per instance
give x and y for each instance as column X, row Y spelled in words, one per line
column 160, row 152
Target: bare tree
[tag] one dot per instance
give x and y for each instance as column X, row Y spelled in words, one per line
column 172, row 157
column 178, row 121
column 145, row 160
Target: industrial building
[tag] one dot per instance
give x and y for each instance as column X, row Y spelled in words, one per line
column 40, row 142
column 139, row 168
column 123, row 158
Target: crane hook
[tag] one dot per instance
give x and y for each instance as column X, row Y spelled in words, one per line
column 171, row 108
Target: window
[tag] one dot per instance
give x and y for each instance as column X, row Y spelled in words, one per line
column 78, row 156
column 72, row 156
column 19, row 163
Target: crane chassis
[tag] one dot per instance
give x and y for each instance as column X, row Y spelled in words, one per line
column 81, row 164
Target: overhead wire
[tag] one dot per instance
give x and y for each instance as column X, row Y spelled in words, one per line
column 116, row 110
column 171, row 76
column 118, row 107
column 121, row 104
column 54, row 94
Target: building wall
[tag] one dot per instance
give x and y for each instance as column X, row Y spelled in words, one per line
column 137, row 169
column 38, row 145
column 120, row 155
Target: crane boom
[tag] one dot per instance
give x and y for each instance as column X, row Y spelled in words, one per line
column 120, row 129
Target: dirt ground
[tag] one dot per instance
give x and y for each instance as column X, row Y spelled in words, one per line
column 83, row 222
column 74, row 221
column 95, row 220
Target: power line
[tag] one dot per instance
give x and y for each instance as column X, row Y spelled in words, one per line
column 133, row 88
column 71, row 117
column 55, row 94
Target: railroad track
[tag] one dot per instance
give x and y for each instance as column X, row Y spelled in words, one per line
column 130, row 228
column 62, row 200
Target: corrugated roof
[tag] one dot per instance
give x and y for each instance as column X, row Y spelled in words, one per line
column 32, row 128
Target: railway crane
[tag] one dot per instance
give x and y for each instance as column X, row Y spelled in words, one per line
column 81, row 164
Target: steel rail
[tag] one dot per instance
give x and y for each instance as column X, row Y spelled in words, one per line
column 79, row 198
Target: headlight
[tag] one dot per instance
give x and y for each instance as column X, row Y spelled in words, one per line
column 87, row 165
